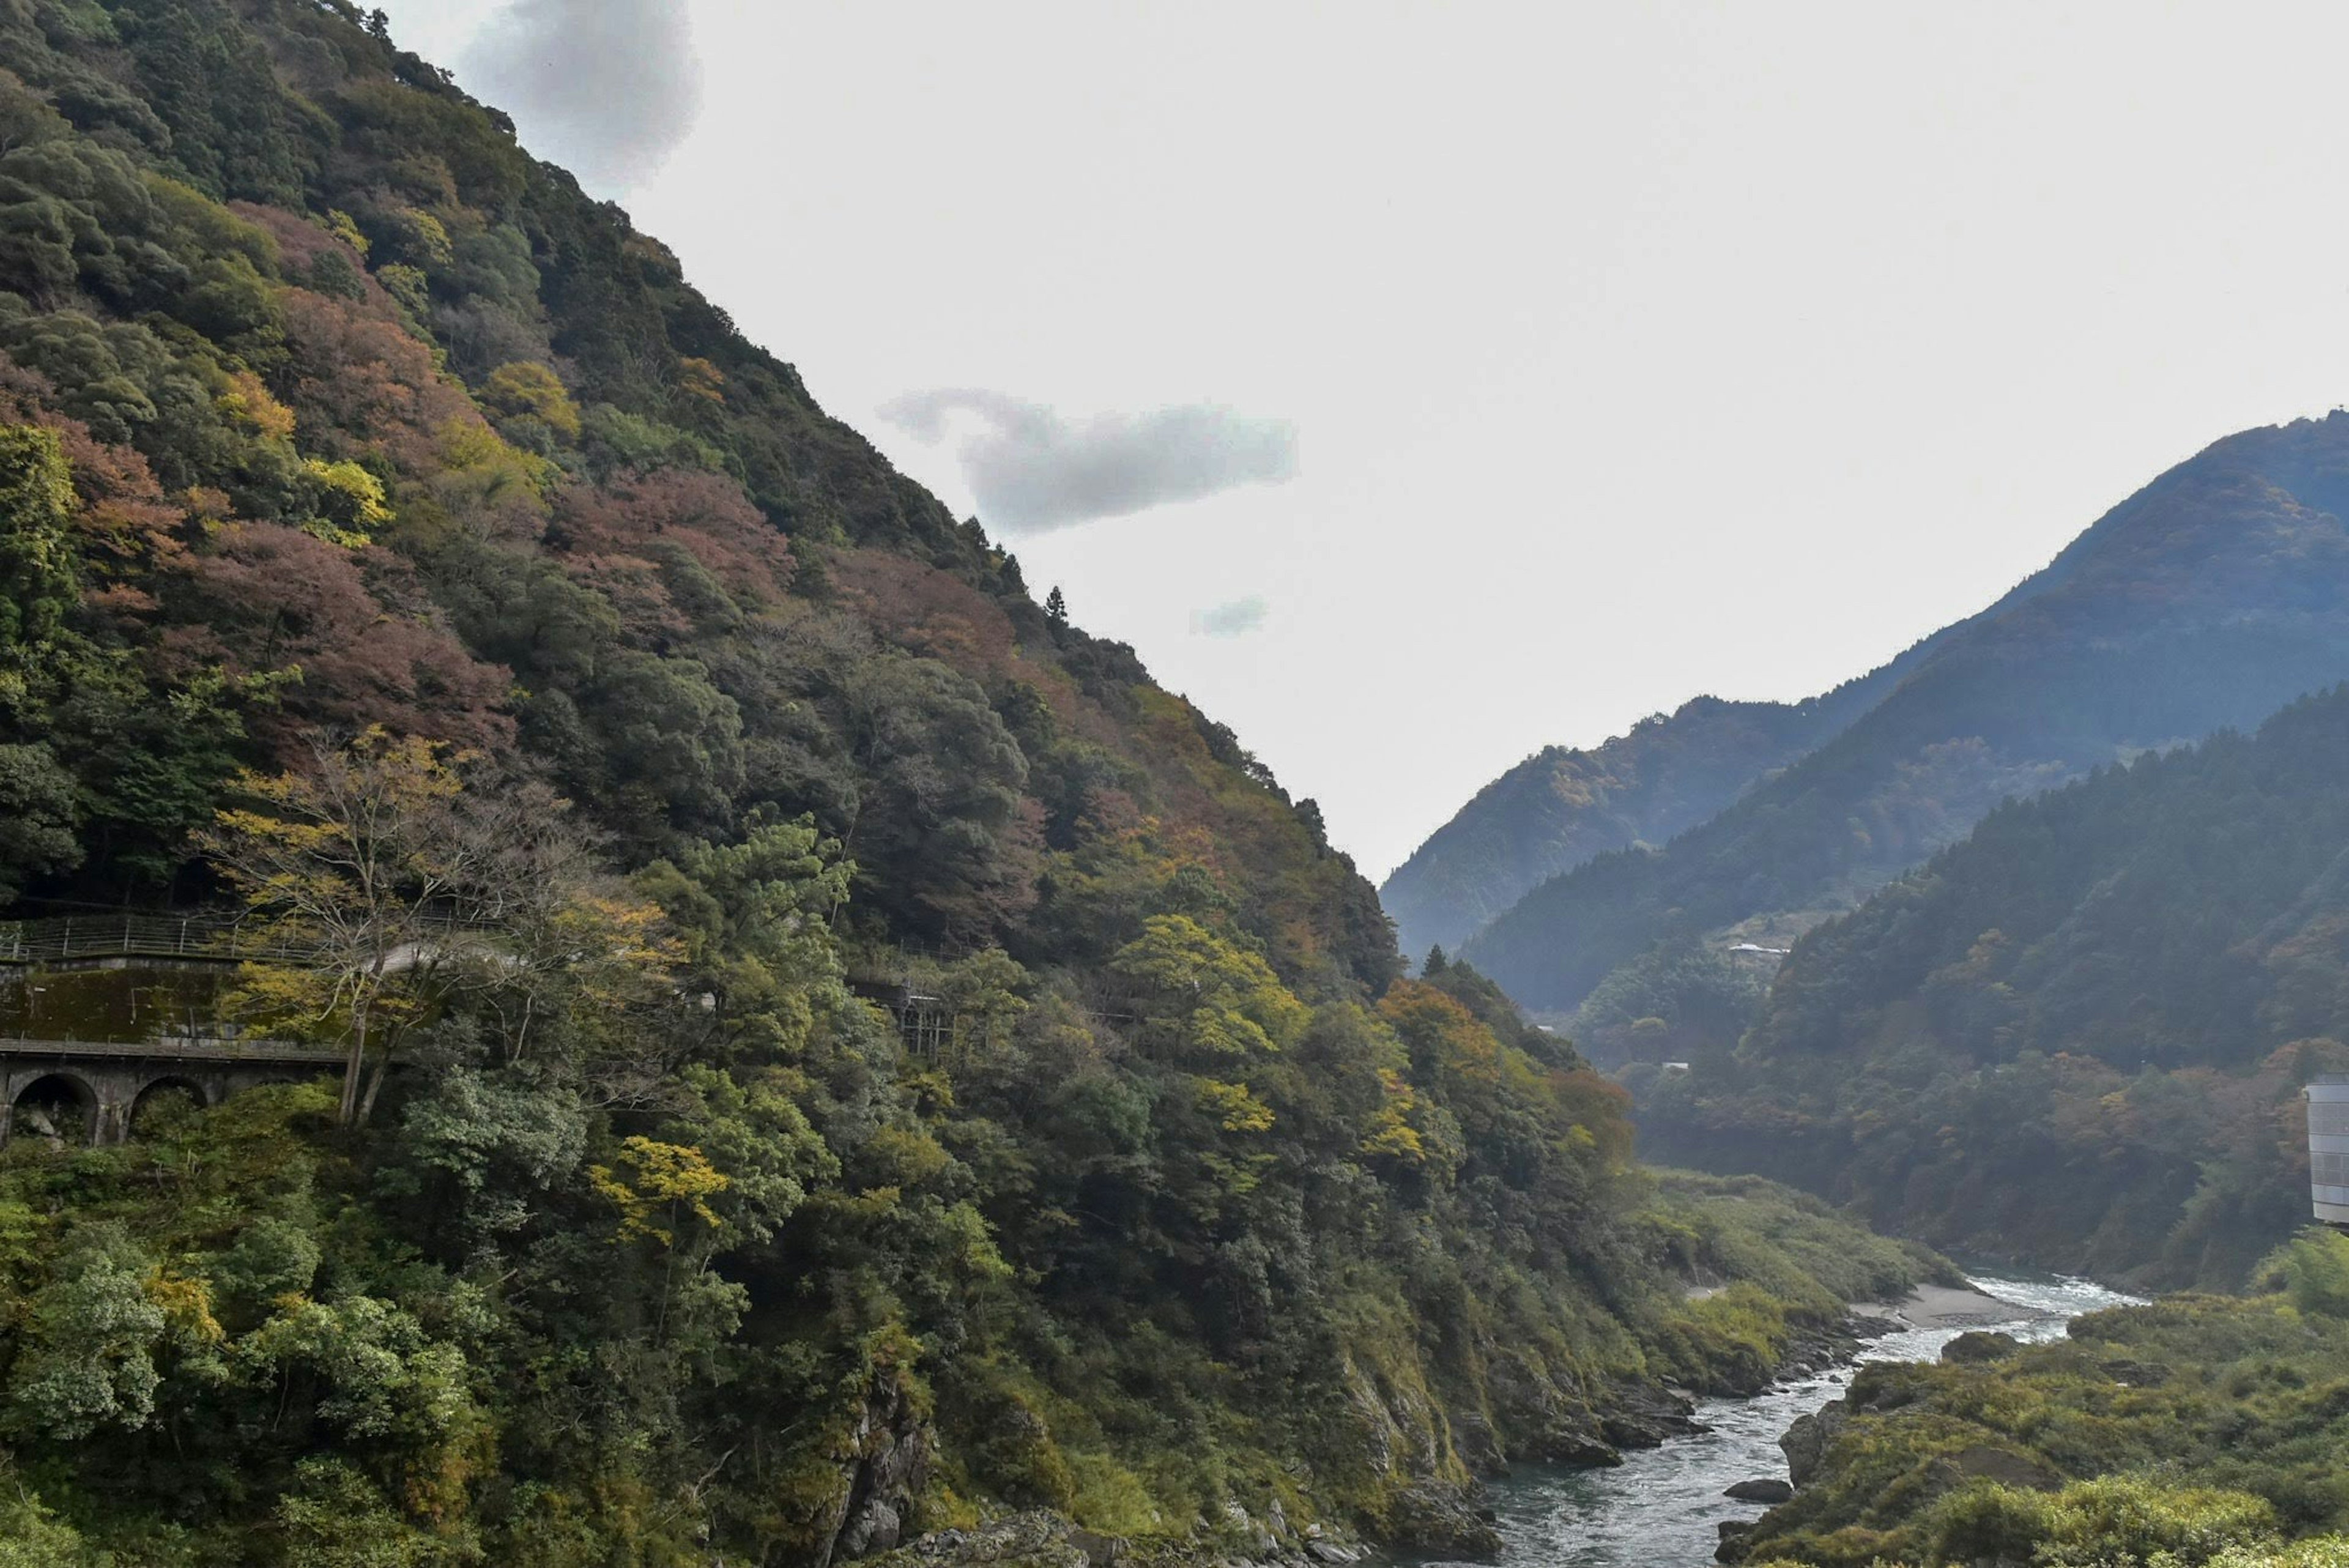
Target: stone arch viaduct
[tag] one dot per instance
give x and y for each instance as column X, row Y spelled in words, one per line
column 105, row 1084
column 91, row 1089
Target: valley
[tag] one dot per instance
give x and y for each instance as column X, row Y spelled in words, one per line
column 591, row 977
column 1671, row 1503
column 2029, row 955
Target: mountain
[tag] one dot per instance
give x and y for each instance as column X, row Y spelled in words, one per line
column 1560, row 807
column 1563, row 806
column 2078, row 1036
column 2209, row 599
column 831, row 1052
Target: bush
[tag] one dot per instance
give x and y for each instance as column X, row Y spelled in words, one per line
column 2113, row 1522
column 2315, row 1267
column 2122, row 1518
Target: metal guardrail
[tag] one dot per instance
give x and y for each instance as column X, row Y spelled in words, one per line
column 223, row 939
column 70, row 937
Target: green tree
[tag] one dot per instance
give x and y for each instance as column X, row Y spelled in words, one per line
column 38, row 582
column 1216, row 1002
column 89, row 1361
column 37, row 816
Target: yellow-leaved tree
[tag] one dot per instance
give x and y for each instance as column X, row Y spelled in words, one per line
column 377, row 883
column 1215, row 1011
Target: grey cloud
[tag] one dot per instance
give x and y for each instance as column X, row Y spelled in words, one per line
column 605, row 87
column 1031, row 471
column 1237, row 618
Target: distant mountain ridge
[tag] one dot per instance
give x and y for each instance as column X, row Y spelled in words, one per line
column 1563, row 804
column 2209, row 599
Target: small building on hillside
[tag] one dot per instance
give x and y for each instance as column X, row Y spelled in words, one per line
column 2328, row 1150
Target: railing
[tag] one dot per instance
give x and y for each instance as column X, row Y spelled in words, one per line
column 215, row 937
column 218, row 938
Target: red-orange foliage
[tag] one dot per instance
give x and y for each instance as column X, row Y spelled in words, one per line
column 355, row 623
column 706, row 514
column 937, row 615
column 358, row 383
column 129, row 527
column 300, row 244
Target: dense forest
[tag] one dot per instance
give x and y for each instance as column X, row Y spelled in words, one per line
column 395, row 550
column 2209, row 599
column 2079, row 1036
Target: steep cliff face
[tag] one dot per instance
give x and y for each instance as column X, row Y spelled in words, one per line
column 2209, row 599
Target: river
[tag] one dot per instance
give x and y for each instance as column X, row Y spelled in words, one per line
column 1659, row 1508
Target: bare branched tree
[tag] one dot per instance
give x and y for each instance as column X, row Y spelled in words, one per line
column 402, row 886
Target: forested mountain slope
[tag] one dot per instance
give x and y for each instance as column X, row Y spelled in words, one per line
column 2080, row 1035
column 392, row 542
column 2210, row 598
column 1560, row 807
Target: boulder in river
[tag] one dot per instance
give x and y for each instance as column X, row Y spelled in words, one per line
column 1643, row 1418
column 1441, row 1520
column 1976, row 1345
column 1765, row 1491
column 1573, row 1450
column 1805, row 1442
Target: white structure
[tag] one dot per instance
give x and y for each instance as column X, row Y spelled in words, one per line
column 2328, row 1150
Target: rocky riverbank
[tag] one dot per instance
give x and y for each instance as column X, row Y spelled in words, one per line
column 1952, row 1306
column 1041, row 1539
column 1954, row 1326
column 1442, row 1519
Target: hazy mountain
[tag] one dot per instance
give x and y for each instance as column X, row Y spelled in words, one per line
column 1561, row 807
column 2210, row 598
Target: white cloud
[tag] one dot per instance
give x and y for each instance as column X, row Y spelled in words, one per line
column 1237, row 618
column 1031, row 470
column 608, row 88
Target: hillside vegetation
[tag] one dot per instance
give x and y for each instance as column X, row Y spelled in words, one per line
column 2195, row 1430
column 2209, row 599
column 395, row 549
column 2078, row 1036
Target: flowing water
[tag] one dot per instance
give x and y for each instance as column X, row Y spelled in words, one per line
column 1659, row 1508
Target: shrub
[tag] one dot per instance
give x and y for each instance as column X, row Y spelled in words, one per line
column 2316, row 1273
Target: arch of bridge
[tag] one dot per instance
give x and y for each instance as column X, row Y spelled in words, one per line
column 110, row 1086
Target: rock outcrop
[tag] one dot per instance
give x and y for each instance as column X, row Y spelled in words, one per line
column 1806, row 1441
column 887, row 1464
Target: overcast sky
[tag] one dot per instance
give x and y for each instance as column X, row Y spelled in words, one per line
column 1414, row 386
